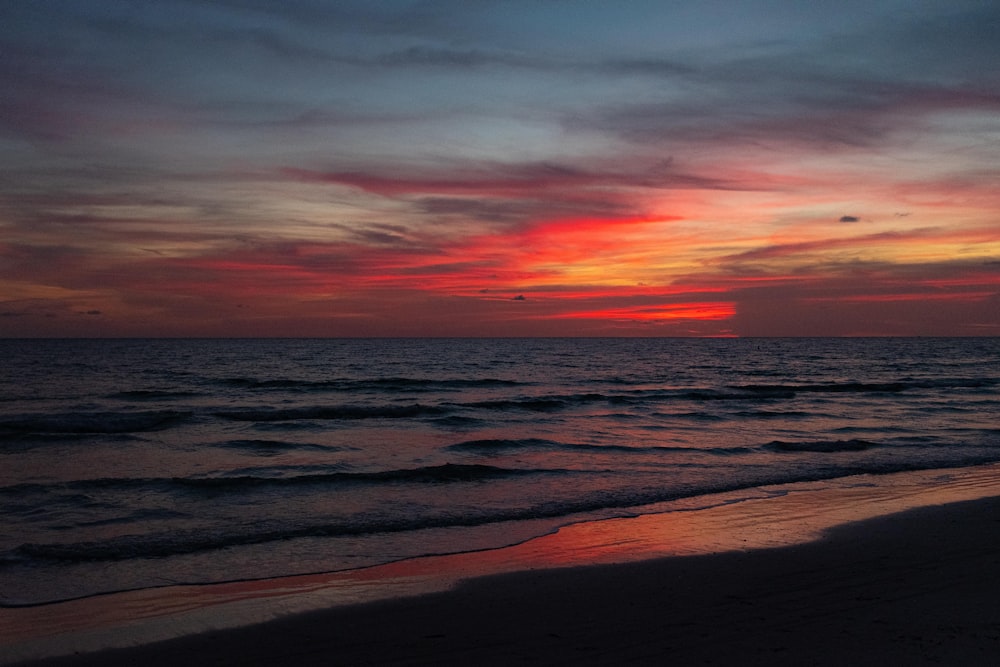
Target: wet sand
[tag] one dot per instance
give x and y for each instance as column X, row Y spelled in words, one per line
column 918, row 587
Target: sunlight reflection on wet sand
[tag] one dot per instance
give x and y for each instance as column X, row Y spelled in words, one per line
column 772, row 516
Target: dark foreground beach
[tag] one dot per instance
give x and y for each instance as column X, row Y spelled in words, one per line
column 917, row 587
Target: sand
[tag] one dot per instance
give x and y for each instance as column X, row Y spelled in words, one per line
column 913, row 588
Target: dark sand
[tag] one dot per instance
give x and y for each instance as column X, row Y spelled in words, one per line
column 921, row 587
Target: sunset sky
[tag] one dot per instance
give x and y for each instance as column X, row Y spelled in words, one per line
column 480, row 168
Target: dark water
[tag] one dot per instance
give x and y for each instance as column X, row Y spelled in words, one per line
column 128, row 464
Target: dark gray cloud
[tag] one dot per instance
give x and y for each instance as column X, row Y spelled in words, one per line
column 513, row 179
column 514, row 194
column 513, row 211
column 649, row 66
column 852, row 89
column 384, row 235
column 445, row 57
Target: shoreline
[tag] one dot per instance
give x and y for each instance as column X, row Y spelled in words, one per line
column 472, row 595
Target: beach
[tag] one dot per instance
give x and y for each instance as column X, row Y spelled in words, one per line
column 917, row 586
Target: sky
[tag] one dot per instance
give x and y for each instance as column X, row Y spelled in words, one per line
column 499, row 168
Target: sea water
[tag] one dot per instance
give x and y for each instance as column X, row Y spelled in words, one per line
column 128, row 464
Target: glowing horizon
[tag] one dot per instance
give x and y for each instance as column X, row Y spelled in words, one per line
column 508, row 169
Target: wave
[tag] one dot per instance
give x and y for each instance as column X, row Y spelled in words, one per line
column 445, row 473
column 274, row 446
column 775, row 414
column 621, row 502
column 456, row 421
column 448, row 472
column 496, row 445
column 501, row 444
column 120, row 422
column 92, row 422
column 175, row 543
column 389, row 384
column 331, row 412
column 556, row 402
column 747, row 393
column 893, row 387
column 821, row 446
column 534, row 404
column 152, row 395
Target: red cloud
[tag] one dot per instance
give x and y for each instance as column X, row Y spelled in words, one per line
column 705, row 310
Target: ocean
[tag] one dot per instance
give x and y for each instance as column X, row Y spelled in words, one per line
column 129, row 464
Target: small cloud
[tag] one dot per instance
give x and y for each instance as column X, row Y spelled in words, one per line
column 91, row 312
column 519, row 297
column 419, row 55
column 849, row 218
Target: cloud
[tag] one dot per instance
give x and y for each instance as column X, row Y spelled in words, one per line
column 655, row 67
column 516, row 179
column 820, row 247
column 617, row 168
column 376, row 234
column 502, row 195
column 445, row 57
column 854, row 88
column 955, row 298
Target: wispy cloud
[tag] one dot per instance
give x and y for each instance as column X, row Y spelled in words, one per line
column 364, row 168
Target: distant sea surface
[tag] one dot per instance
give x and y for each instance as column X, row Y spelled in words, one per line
column 127, row 464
